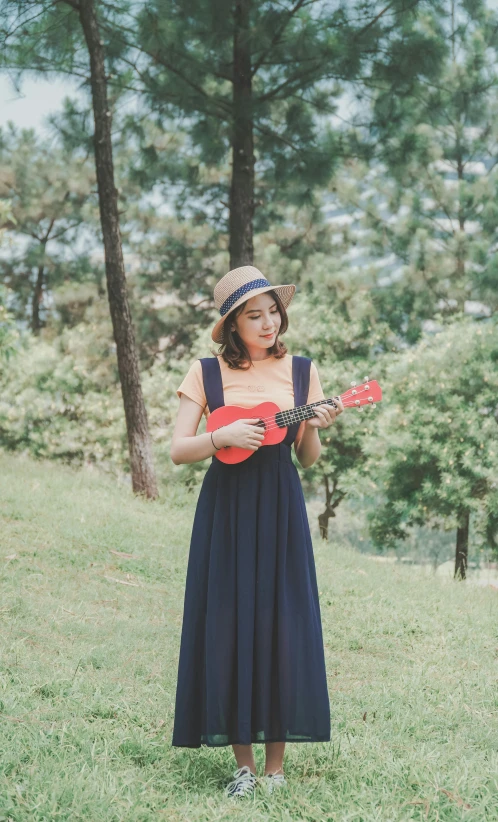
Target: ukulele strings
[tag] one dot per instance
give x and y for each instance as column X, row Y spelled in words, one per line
column 272, row 420
column 302, row 419
column 273, row 425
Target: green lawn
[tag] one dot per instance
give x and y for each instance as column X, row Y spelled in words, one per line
column 88, row 672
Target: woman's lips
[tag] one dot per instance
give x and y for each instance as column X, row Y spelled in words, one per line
column 267, row 336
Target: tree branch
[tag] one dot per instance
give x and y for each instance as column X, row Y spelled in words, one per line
column 276, row 37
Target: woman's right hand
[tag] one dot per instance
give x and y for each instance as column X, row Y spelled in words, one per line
column 242, row 433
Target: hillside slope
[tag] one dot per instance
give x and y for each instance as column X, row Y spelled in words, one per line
column 89, row 643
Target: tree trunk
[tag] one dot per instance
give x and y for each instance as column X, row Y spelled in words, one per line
column 329, row 511
column 242, row 182
column 142, row 469
column 37, row 298
column 462, row 546
column 323, row 522
column 460, row 258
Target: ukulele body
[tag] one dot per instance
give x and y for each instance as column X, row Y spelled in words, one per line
column 226, row 414
column 368, row 393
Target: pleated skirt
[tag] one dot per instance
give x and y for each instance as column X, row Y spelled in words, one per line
column 251, row 664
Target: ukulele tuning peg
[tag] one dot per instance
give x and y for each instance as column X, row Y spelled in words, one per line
column 360, row 408
column 365, row 379
column 353, row 383
column 373, row 405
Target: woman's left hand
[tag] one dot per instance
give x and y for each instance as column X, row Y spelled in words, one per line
column 325, row 414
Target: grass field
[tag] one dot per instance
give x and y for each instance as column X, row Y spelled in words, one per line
column 89, row 646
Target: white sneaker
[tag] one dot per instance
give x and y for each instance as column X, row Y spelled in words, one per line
column 244, row 782
column 274, row 780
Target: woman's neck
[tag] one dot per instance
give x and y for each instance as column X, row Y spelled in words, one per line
column 259, row 354
column 261, row 359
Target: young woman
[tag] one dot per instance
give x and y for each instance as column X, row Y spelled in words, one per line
column 251, row 665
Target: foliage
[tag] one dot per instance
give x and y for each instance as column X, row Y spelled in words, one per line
column 434, row 456
column 10, row 336
column 9, row 332
column 334, row 322
column 60, row 399
column 51, row 194
column 430, row 195
column 417, row 173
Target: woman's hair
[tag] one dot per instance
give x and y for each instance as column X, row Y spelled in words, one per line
column 233, row 350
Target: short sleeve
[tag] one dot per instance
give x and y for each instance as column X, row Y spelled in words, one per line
column 193, row 385
column 315, row 391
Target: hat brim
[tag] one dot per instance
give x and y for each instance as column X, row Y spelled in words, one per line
column 285, row 292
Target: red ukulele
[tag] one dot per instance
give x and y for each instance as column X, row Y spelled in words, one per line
column 276, row 421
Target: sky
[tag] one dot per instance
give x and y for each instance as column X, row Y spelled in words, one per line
column 38, row 99
column 41, row 96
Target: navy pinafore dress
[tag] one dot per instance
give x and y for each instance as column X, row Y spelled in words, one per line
column 251, row 665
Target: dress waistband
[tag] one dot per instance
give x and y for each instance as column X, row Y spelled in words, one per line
column 266, row 453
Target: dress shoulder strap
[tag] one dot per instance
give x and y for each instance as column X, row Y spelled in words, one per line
column 301, row 369
column 213, row 384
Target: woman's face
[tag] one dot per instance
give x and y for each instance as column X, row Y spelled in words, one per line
column 259, row 317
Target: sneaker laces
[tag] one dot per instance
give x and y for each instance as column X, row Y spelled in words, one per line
column 274, row 780
column 244, row 782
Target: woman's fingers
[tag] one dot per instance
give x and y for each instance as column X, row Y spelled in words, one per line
column 340, row 404
column 257, row 436
column 326, row 413
column 258, row 431
column 252, row 422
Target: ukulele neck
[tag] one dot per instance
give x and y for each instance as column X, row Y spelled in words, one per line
column 302, row 412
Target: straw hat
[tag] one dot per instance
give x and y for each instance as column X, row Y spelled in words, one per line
column 239, row 285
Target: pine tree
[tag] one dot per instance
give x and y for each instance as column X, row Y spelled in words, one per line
column 254, row 86
column 51, row 195
column 431, row 195
column 33, row 34
column 9, row 333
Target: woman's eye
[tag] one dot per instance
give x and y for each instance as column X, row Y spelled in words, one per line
column 271, row 312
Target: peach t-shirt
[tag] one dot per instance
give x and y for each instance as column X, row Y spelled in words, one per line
column 266, row 380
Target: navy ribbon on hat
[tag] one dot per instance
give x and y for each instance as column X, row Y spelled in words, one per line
column 239, row 292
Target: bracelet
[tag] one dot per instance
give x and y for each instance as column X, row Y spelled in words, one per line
column 213, row 442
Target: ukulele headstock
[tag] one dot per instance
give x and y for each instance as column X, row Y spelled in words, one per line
column 367, row 392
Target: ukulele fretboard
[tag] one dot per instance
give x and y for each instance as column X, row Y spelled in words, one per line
column 302, row 412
